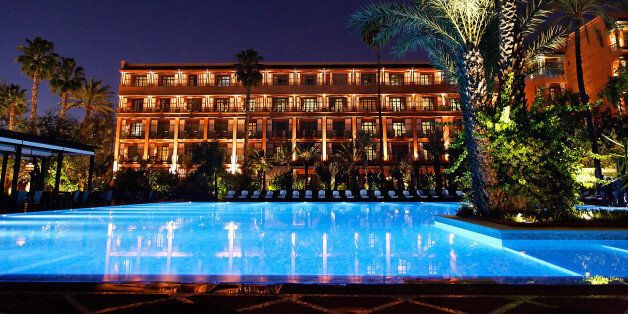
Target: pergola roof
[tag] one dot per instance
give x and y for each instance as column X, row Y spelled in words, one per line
column 33, row 145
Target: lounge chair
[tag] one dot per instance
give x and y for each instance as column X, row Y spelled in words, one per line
column 364, row 194
column 421, row 194
column 296, row 194
column 282, row 194
column 392, row 194
column 256, row 194
column 107, row 197
column 349, row 194
column 85, row 198
column 269, row 195
column 308, row 194
column 459, row 194
column 37, row 198
column 76, row 199
column 21, row 199
column 407, row 194
column 336, row 194
column 244, row 194
column 446, row 194
column 322, row 194
column 230, row 194
column 434, row 195
column 378, row 194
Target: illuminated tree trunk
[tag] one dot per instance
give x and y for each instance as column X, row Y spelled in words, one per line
column 64, row 105
column 35, row 93
column 507, row 22
column 12, row 114
column 472, row 84
column 247, row 116
column 584, row 100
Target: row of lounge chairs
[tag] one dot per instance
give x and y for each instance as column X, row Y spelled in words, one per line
column 41, row 200
column 364, row 195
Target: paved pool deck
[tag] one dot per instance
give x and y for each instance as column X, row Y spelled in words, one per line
column 34, row 298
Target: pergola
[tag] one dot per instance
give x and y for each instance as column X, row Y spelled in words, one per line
column 23, row 146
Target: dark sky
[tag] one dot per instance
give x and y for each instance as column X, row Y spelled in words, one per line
column 98, row 34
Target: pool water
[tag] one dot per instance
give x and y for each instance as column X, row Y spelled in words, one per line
column 281, row 242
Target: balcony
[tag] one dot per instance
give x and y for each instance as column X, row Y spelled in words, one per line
column 392, row 134
column 162, row 134
column 125, row 134
column 256, row 134
column 130, row 159
column 160, row 159
column 339, row 134
column 191, row 134
column 279, row 134
column 220, row 134
column 306, row 133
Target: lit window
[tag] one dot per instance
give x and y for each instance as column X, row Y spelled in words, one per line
column 368, row 127
column 308, row 79
column 309, row 104
column 368, row 104
column 193, row 80
column 399, row 129
column 223, row 80
column 454, row 103
column 426, row 78
column 164, row 104
column 280, row 104
column 252, row 129
column 370, row 152
column 166, row 80
column 195, row 104
column 137, row 129
column 164, row 153
column 427, row 127
column 427, row 103
column 368, row 79
column 137, row 104
column 280, row 79
column 140, row 81
column 395, row 78
column 337, row 104
column 397, row 103
column 252, row 105
column 222, row 104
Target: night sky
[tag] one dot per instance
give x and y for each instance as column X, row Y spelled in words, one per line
column 98, row 34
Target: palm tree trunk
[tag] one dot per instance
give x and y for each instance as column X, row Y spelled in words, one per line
column 264, row 180
column 584, row 100
column 35, row 93
column 379, row 111
column 247, row 111
column 64, row 106
column 507, row 22
column 12, row 114
column 439, row 175
column 472, row 94
column 307, row 175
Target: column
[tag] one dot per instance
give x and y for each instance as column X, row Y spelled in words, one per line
column 44, row 172
column 16, row 169
column 234, row 148
column 58, row 174
column 324, row 130
column 116, row 149
column 3, row 174
column 294, row 136
column 146, row 137
column 264, row 128
column 205, row 128
column 384, row 138
column 91, row 173
column 354, row 127
column 415, row 138
column 175, row 146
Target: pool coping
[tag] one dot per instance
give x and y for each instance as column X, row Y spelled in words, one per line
column 505, row 233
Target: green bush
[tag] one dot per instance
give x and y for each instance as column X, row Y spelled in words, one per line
column 131, row 180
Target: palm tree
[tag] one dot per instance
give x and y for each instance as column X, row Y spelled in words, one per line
column 93, row 96
column 38, row 61
column 451, row 32
column 13, row 99
column 308, row 155
column 260, row 165
column 576, row 13
column 436, row 147
column 616, row 88
column 248, row 71
column 284, row 156
column 67, row 78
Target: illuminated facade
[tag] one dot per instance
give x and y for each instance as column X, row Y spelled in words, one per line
column 163, row 109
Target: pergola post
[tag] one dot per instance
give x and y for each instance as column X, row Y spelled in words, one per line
column 58, row 174
column 5, row 161
column 44, row 172
column 91, row 173
column 16, row 169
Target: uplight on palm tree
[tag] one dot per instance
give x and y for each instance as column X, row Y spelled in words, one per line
column 13, row 99
column 38, row 61
column 248, row 72
column 92, row 96
column 67, row 78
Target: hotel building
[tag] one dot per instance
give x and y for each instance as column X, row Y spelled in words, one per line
column 164, row 109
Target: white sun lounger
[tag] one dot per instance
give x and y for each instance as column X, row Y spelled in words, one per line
column 364, row 194
column 322, row 194
column 296, row 194
column 349, row 194
column 308, row 194
column 407, row 194
column 282, row 194
column 230, row 194
column 244, row 194
column 269, row 194
column 336, row 194
column 421, row 194
column 392, row 194
column 256, row 194
column 378, row 194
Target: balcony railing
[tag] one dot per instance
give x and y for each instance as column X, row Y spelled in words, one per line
column 399, row 134
column 165, row 134
column 279, row 134
column 130, row 159
column 220, row 134
column 308, row 134
column 128, row 135
column 191, row 134
column 339, row 134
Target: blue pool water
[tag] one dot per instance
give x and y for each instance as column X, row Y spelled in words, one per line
column 280, row 242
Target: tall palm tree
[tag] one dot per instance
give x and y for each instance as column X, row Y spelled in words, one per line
column 38, row 61
column 67, row 78
column 308, row 155
column 92, row 96
column 436, row 147
column 576, row 13
column 13, row 99
column 284, row 156
column 248, row 71
column 451, row 32
column 260, row 164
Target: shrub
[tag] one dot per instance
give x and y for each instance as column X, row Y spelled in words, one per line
column 131, row 180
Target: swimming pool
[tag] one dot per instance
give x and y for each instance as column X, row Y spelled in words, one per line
column 280, row 242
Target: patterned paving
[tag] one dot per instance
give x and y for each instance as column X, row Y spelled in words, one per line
column 429, row 298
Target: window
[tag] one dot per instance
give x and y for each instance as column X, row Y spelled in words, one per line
column 253, row 129
column 397, row 103
column 426, row 79
column 140, row 81
column 339, row 79
column 368, row 127
column 223, row 80
column 166, row 80
column 193, row 80
column 309, row 104
column 133, row 153
column 136, row 129
column 554, row 90
column 164, row 104
column 337, row 104
column 281, row 129
column 137, row 104
column 399, row 152
column 252, row 104
column 163, row 127
column 222, row 104
column 164, row 153
column 281, row 79
column 280, row 104
column 221, row 128
column 368, row 79
column 454, row 103
column 308, row 128
column 370, row 152
column 427, row 103
column 195, row 104
column 427, row 128
column 395, row 78
column 192, row 129
column 308, row 79
column 368, row 104
column 338, row 128
column 399, row 129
